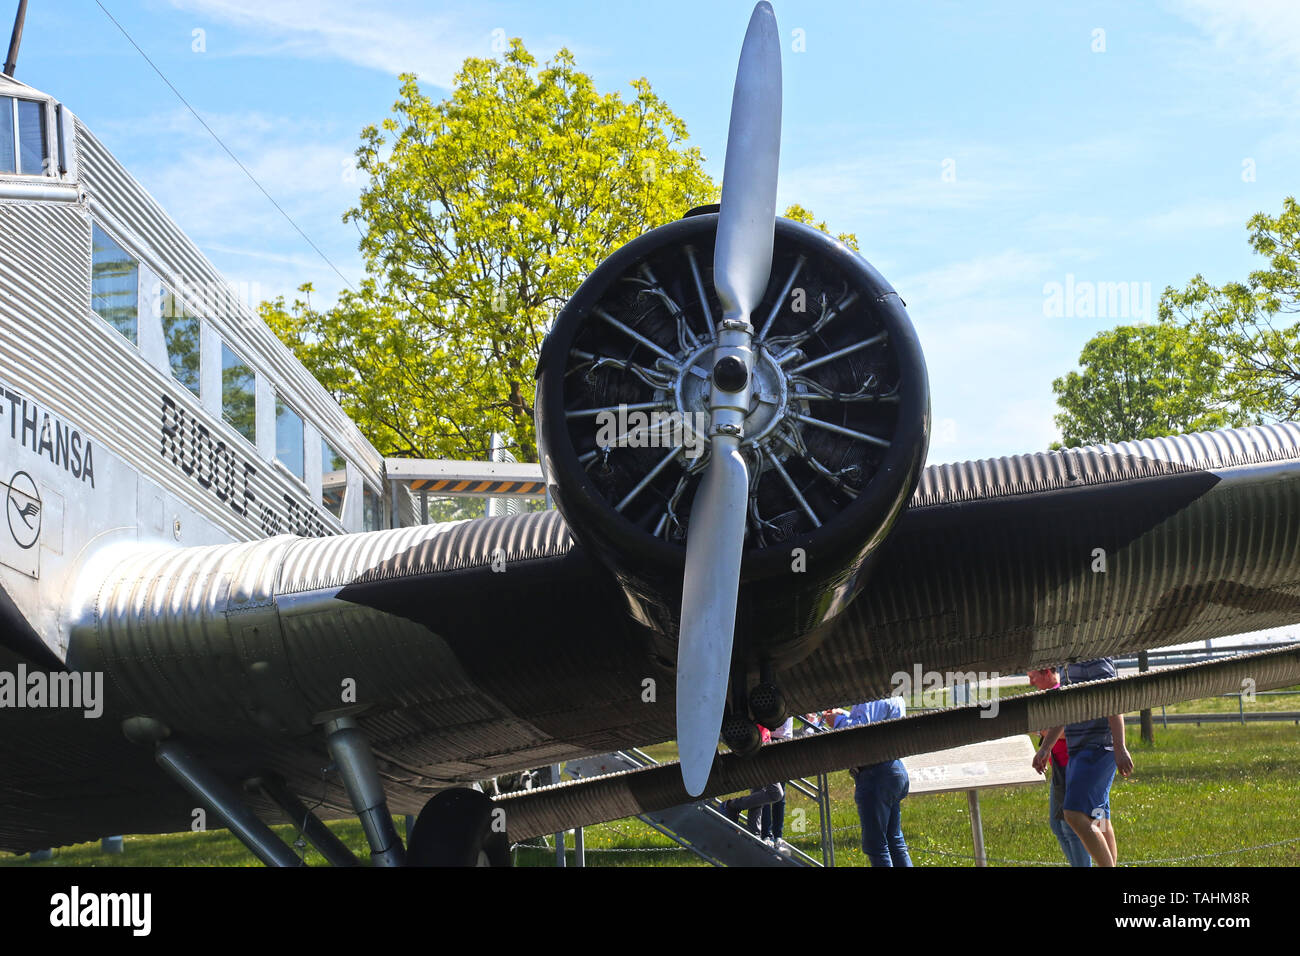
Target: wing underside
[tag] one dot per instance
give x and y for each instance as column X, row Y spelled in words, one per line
column 494, row 645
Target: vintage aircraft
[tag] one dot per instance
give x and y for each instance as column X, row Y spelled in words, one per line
column 197, row 530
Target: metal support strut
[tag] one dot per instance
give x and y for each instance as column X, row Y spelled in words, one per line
column 356, row 764
column 211, row 791
column 318, row 834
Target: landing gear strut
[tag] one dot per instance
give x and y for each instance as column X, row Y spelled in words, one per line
column 356, row 765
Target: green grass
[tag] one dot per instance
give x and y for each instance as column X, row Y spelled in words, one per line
column 211, row 848
column 1270, row 701
column 1198, row 790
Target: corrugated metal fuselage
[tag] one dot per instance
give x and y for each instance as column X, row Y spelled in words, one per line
column 111, row 445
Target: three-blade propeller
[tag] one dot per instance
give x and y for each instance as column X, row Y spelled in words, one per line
column 742, row 267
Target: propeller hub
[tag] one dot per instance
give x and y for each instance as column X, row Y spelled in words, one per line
column 771, row 397
column 730, row 374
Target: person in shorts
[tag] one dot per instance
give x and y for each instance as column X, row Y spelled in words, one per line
column 1076, row 854
column 1096, row 751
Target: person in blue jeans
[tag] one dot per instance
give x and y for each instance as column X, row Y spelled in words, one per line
column 771, row 823
column 1076, row 854
column 879, row 790
column 1097, row 751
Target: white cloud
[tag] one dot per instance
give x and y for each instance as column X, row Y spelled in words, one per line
column 305, row 166
column 1202, row 216
column 392, row 36
column 1267, row 30
column 963, row 283
column 1246, row 61
column 909, row 179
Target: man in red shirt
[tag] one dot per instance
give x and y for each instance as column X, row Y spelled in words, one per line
column 1075, row 852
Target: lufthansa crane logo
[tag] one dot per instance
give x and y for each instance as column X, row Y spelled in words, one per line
column 24, row 509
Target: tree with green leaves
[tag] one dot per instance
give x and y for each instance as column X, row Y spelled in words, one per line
column 799, row 214
column 481, row 216
column 1142, row 381
column 1251, row 326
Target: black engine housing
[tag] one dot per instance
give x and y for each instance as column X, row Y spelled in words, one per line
column 796, row 576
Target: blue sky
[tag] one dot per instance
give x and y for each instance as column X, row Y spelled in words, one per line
column 981, row 152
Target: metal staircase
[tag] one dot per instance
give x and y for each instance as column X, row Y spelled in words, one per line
column 699, row 827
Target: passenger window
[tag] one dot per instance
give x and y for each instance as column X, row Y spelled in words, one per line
column 114, row 283
column 181, row 333
column 288, row 438
column 238, row 393
column 8, row 142
column 333, row 479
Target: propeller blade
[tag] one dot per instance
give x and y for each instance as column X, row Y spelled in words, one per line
column 747, row 219
column 713, row 551
column 742, row 267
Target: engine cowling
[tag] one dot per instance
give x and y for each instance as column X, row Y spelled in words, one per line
column 835, row 438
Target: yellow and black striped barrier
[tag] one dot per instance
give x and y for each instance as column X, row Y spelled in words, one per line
column 457, row 486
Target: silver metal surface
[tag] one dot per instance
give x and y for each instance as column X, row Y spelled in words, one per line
column 77, row 375
column 40, row 192
column 234, row 633
column 743, row 258
column 356, row 765
column 1225, row 452
column 959, row 591
column 709, row 587
column 742, row 267
column 116, row 194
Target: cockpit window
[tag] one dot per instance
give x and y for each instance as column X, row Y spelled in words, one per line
column 288, row 438
column 181, row 332
column 333, row 479
column 114, row 283
column 23, row 144
column 8, row 142
column 33, row 159
column 238, row 393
